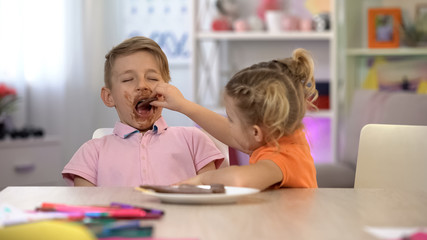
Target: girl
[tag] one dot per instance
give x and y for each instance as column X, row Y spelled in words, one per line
column 265, row 105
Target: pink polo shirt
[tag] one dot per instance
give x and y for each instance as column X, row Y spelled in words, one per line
column 161, row 156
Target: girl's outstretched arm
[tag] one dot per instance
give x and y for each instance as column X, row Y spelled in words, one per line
column 260, row 175
column 214, row 123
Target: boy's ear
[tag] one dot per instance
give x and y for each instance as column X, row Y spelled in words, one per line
column 257, row 133
column 107, row 97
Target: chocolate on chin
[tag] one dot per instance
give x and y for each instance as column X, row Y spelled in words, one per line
column 186, row 189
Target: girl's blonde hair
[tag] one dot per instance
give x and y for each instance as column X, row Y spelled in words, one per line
column 133, row 45
column 275, row 95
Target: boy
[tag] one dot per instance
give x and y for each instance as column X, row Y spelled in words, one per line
column 143, row 149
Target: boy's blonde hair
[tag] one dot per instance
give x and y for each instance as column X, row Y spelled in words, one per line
column 133, row 45
column 275, row 94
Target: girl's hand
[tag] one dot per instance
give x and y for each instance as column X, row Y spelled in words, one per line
column 169, row 97
column 193, row 181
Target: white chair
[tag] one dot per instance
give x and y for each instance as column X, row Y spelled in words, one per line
column 392, row 156
column 369, row 107
column 223, row 148
column 100, row 132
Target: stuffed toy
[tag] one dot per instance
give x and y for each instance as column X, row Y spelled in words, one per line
column 228, row 11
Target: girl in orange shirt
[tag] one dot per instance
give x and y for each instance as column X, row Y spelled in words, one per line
column 265, row 104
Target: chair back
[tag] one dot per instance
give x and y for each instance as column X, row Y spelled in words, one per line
column 100, row 132
column 392, row 156
column 223, row 148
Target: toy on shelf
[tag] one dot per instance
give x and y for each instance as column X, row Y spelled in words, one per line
column 227, row 8
column 221, row 24
column 290, row 23
column 255, row 23
column 305, row 24
column 228, row 12
column 321, row 22
column 241, row 25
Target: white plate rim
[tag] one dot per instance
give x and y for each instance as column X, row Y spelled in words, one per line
column 232, row 194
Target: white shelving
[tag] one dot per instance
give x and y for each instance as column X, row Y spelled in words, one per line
column 216, row 56
column 369, row 52
column 320, row 114
column 266, row 36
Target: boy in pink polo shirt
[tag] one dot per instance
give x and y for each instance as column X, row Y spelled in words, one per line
column 142, row 148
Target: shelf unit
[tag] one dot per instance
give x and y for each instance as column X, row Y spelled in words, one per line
column 353, row 41
column 266, row 36
column 216, row 56
column 355, row 54
column 357, row 59
column 369, row 52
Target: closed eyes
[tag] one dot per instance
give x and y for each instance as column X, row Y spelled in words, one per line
column 131, row 79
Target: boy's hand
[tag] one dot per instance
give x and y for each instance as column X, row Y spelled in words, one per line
column 171, row 96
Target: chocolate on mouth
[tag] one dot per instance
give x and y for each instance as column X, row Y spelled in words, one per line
column 144, row 104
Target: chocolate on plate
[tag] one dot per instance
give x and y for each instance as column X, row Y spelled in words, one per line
column 186, row 189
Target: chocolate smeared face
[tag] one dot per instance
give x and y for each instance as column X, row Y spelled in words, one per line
column 143, row 106
column 133, row 78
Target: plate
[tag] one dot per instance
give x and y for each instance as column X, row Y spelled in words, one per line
column 231, row 195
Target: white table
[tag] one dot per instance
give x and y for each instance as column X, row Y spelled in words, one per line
column 279, row 214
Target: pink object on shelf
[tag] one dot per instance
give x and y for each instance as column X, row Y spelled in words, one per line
column 240, row 25
column 221, row 24
column 305, row 24
column 290, row 23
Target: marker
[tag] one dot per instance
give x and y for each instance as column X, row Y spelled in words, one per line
column 148, row 210
column 73, row 208
column 95, row 211
column 120, row 228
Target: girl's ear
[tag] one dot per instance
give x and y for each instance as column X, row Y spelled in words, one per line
column 257, row 133
column 107, row 97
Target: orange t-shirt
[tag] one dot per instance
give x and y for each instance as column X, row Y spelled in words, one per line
column 294, row 159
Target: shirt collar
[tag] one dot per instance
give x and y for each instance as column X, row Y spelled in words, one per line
column 160, row 126
column 124, row 131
